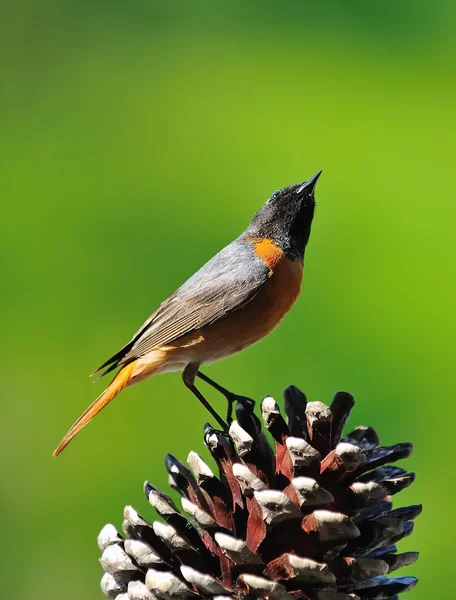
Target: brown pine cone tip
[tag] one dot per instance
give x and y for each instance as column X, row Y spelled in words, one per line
column 310, row 519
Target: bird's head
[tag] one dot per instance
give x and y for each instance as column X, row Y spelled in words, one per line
column 286, row 217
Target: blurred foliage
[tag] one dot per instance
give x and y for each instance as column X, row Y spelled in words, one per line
column 137, row 139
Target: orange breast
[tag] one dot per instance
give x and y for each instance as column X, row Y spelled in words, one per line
column 268, row 251
column 247, row 325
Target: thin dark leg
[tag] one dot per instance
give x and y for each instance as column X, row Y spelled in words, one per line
column 188, row 379
column 230, row 396
column 206, row 405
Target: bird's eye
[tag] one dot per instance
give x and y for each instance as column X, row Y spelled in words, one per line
column 274, row 196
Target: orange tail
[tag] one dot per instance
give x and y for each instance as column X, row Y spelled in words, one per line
column 119, row 382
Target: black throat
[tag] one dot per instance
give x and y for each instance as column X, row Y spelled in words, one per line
column 286, row 218
column 290, row 229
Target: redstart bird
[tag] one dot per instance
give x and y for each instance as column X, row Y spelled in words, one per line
column 233, row 301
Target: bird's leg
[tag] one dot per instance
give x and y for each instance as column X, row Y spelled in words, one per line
column 188, row 377
column 248, row 403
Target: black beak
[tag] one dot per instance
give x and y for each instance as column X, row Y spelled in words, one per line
column 309, row 186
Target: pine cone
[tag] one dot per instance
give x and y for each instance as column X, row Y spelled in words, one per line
column 311, row 519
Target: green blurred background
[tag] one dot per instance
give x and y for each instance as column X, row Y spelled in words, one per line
column 138, row 138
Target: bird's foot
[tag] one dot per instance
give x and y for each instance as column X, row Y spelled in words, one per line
column 209, row 430
column 247, row 403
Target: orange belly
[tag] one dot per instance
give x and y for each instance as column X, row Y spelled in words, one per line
column 259, row 317
column 236, row 331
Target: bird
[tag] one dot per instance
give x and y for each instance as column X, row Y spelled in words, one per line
column 236, row 299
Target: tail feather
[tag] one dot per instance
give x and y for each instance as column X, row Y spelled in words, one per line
column 113, row 361
column 114, row 366
column 119, row 382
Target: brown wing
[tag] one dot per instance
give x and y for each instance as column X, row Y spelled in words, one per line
column 225, row 283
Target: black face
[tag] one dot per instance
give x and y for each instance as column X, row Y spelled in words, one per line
column 286, row 217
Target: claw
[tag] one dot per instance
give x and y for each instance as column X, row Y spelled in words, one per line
column 247, row 403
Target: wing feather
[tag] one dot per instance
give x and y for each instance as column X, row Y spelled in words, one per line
column 224, row 284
